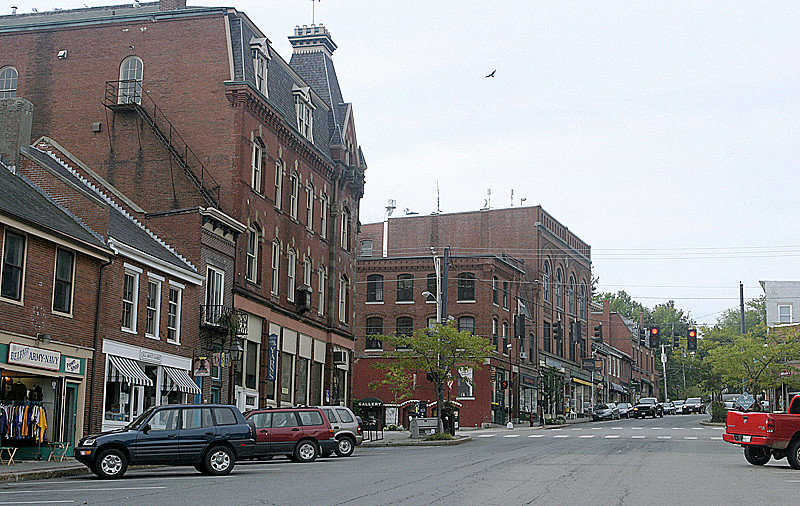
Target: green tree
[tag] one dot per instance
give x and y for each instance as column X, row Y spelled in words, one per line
column 439, row 351
column 755, row 313
column 622, row 303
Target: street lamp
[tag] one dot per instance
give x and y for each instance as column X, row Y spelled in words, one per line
column 235, row 350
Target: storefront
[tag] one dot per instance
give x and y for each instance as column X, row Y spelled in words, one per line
column 139, row 378
column 44, row 383
column 527, row 398
column 582, row 395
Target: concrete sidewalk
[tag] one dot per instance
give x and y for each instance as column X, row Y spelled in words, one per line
column 22, row 470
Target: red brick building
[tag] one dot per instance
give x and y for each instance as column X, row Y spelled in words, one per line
column 248, row 163
column 547, row 269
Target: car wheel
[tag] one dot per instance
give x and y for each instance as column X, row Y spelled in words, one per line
column 110, row 464
column 756, row 455
column 793, row 454
column 306, row 451
column 345, row 447
column 219, row 461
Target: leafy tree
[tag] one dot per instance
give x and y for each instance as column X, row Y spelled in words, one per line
column 755, row 313
column 622, row 303
column 438, row 351
column 396, row 381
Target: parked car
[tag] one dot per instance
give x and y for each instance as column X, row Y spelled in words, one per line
column 669, row 407
column 693, row 405
column 209, row 437
column 608, row 411
column 625, row 409
column 302, row 434
column 678, row 406
column 347, row 431
column 648, row 406
column 766, row 435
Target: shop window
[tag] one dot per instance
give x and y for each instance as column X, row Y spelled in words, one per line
column 153, row 308
column 174, row 315
column 316, row 383
column 405, row 288
column 374, row 331
column 129, row 300
column 13, row 266
column 251, row 369
column 302, row 381
column 62, row 289
column 8, row 82
column 466, row 287
column 287, row 373
column 374, row 288
column 464, row 387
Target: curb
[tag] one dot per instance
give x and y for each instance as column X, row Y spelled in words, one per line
column 42, row 474
column 712, row 424
column 451, row 442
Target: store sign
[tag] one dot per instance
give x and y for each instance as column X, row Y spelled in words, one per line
column 33, row 357
column 72, row 365
column 149, row 356
column 272, row 357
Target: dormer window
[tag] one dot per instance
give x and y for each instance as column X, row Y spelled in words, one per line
column 259, row 49
column 304, row 111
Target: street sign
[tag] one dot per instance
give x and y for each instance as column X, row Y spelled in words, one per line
column 598, row 364
column 587, row 364
column 745, row 400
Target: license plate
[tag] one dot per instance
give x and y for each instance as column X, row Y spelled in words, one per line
column 746, row 439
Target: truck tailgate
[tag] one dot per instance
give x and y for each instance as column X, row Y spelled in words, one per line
column 743, row 427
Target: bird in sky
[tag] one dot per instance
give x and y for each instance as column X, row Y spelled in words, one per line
column 492, row 74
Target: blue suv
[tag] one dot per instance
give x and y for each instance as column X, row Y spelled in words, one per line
column 207, row 436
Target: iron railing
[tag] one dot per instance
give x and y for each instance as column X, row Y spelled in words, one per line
column 224, row 318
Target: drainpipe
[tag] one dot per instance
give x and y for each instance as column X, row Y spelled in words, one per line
column 96, row 337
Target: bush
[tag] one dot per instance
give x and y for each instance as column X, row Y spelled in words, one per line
column 392, row 426
column 555, row 420
column 718, row 412
column 441, row 436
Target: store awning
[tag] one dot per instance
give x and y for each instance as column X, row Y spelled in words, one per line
column 129, row 370
column 581, row 382
column 618, row 388
column 182, row 381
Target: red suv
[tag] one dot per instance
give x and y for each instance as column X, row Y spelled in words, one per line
column 302, row 434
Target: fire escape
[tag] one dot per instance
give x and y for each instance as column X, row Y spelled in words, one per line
column 127, row 95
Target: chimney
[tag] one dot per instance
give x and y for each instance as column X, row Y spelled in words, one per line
column 311, row 39
column 13, row 11
column 171, row 5
column 16, row 115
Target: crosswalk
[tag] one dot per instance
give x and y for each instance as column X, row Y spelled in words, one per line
column 575, row 433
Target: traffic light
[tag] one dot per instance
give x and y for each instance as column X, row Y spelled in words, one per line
column 676, row 341
column 576, row 331
column 598, row 333
column 504, row 383
column 642, row 337
column 654, row 342
column 558, row 333
column 691, row 340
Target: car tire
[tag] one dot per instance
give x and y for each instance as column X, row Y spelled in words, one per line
column 111, row 463
column 201, row 468
column 345, row 447
column 756, row 455
column 219, row 461
column 306, row 451
column 793, row 454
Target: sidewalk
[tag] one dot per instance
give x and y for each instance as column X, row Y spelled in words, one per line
column 22, row 470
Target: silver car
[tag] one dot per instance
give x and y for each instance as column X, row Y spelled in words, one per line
column 347, row 430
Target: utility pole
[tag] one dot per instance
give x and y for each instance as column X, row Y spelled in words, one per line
column 441, row 300
column 741, row 304
column 664, row 367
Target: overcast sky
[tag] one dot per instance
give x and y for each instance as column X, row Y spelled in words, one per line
column 664, row 134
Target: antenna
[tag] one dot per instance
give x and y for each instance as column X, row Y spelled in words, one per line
column 512, row 197
column 438, row 208
column 488, row 198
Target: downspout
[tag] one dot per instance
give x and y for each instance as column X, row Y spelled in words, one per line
column 96, row 337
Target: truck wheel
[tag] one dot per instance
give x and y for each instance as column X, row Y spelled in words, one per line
column 345, row 447
column 793, row 454
column 756, row 455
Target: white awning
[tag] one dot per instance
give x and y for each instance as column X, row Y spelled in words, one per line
column 181, row 380
column 129, row 370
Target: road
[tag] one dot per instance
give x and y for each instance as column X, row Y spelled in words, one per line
column 670, row 460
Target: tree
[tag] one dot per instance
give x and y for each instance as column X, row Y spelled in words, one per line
column 755, row 312
column 622, row 303
column 439, row 352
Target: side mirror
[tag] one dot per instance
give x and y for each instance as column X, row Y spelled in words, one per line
column 146, row 428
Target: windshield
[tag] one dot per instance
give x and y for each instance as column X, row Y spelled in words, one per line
column 602, row 406
column 139, row 420
column 694, row 400
column 678, row 403
column 647, row 400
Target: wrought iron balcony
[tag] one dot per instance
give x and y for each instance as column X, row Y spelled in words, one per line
column 224, row 318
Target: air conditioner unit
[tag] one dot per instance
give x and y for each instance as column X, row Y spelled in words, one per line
column 303, row 298
column 523, row 355
column 340, row 357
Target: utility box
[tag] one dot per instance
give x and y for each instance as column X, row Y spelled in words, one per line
column 421, row 427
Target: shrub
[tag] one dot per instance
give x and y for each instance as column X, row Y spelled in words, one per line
column 441, row 436
column 718, row 412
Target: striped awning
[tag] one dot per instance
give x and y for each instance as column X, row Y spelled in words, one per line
column 180, row 379
column 129, row 370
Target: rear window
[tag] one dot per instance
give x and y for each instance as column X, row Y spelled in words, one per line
column 284, row 419
column 310, row 418
column 647, row 400
column 602, row 406
column 345, row 415
column 693, row 400
column 224, row 416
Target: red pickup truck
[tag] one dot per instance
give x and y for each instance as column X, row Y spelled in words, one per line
column 766, row 435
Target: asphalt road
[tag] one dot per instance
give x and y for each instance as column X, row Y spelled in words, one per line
column 670, row 460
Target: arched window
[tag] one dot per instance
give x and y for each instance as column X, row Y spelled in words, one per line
column 257, row 159
column 466, row 286
column 404, row 326
column 466, row 324
column 130, row 81
column 294, row 183
column 276, row 262
column 430, row 287
column 253, row 242
column 291, row 275
column 505, row 294
column 546, row 281
column 8, row 82
column 583, row 302
column 494, row 332
column 571, row 294
column 374, row 288
column 374, row 331
column 559, row 288
column 405, row 288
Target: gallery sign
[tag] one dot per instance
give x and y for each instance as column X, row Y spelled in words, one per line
column 33, row 357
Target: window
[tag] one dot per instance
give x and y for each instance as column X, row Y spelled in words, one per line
column 62, row 289
column 343, row 288
column 13, row 266
column 346, row 229
column 405, row 288
column 276, row 260
column 290, row 275
column 260, row 48
column 255, row 164
column 278, row 183
column 374, row 288
column 321, row 275
column 129, row 292
column 197, row 418
column 130, row 81
column 431, row 287
column 374, row 331
column 466, row 287
column 466, row 324
column 166, row 419
column 366, row 249
column 8, row 82
column 404, row 326
column 583, row 302
column 546, row 336
column 304, row 112
column 310, row 418
column 307, row 272
column 571, row 295
column 494, row 331
column 253, row 240
column 505, row 338
column 785, row 313
column 215, row 286
column 323, row 227
column 224, row 416
column 495, row 291
column 559, row 289
column 546, row 281
column 174, row 315
column 153, row 308
column 251, row 365
column 294, row 183
column 464, row 382
column 310, row 207
column 505, row 294
column 287, row 374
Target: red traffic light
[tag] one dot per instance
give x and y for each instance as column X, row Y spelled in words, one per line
column 692, row 333
column 654, row 331
column 504, row 384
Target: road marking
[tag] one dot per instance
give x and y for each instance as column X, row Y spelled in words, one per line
column 689, row 437
column 637, row 428
column 597, row 428
column 536, row 435
column 577, row 429
column 98, row 489
column 587, row 436
column 717, row 438
column 677, row 428
column 616, row 428
column 561, row 435
column 512, row 435
column 556, row 429
column 697, row 428
column 664, row 437
column 612, row 437
column 638, row 437
column 658, row 428
column 37, row 502
column 485, row 435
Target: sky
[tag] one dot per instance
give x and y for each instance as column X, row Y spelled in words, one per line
column 666, row 135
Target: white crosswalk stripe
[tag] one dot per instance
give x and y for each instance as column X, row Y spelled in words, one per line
column 616, row 428
column 637, row 428
column 697, row 428
column 536, row 435
column 587, row 436
column 512, row 435
column 611, row 437
column 485, row 435
column 689, row 437
column 638, row 437
column 664, row 437
column 561, row 435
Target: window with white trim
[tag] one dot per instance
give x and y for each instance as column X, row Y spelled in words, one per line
column 464, row 385
column 546, row 281
column 153, row 308
column 343, row 299
column 8, row 82
column 505, row 338
column 253, row 241
column 62, row 286
column 278, row 183
column 559, row 288
column 345, row 229
column 310, row 207
column 256, row 162
column 276, row 262
column 571, row 295
column 304, row 111
column 321, row 275
column 785, row 313
column 294, row 183
column 259, row 49
column 374, row 333
column 323, row 227
column 174, row 315
column 13, row 267
column 130, row 289
column 307, row 272
column 290, row 275
column 375, row 288
column 215, row 286
column 495, row 291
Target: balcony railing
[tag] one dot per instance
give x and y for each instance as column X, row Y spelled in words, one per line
column 224, row 318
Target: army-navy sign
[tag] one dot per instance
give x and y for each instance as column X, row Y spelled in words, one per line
column 33, row 357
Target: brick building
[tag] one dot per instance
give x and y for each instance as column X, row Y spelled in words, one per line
column 547, row 271
column 248, row 163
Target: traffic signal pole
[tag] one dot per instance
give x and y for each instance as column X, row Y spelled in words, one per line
column 664, row 368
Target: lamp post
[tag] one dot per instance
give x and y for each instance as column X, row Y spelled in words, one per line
column 235, row 351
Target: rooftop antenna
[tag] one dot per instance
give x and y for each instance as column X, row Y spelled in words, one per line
column 512, row 197
column 488, row 198
column 313, row 3
column 438, row 208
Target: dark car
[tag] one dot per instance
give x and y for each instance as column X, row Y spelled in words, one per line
column 302, row 434
column 693, row 405
column 209, row 437
column 648, row 406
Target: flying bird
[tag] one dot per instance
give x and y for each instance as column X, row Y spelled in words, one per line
column 492, row 74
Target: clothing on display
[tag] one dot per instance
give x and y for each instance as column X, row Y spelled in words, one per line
column 23, row 420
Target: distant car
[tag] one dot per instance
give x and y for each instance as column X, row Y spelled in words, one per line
column 678, row 407
column 348, row 432
column 302, row 434
column 669, row 408
column 625, row 409
column 694, row 405
column 608, row 411
column 648, row 406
